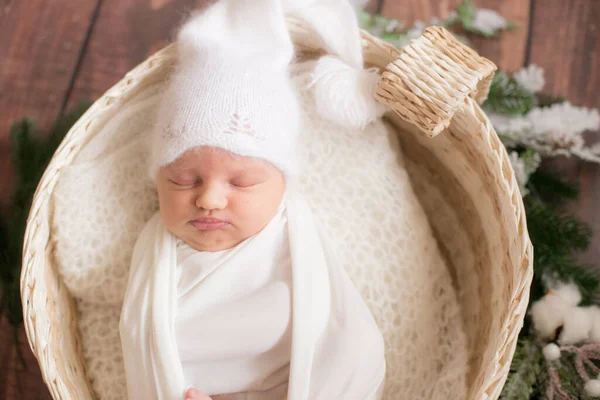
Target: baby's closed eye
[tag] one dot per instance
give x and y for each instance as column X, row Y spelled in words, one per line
column 246, row 180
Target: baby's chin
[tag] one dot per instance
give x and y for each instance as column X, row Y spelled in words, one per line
column 211, row 242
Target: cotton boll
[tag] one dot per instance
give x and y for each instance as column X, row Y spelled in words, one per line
column 594, row 313
column 344, row 94
column 569, row 292
column 577, row 326
column 548, row 314
column 592, row 388
column 551, row 352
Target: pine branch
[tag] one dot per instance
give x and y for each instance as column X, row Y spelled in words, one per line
column 556, row 238
column 571, row 382
column 555, row 231
column 467, row 14
column 31, row 153
column 508, row 97
column 525, row 370
column 552, row 188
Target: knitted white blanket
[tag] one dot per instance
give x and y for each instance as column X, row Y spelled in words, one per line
column 356, row 184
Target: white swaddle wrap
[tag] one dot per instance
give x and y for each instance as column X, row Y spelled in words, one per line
column 336, row 348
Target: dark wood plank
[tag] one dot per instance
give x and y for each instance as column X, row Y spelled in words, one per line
column 507, row 51
column 40, row 42
column 566, row 43
column 125, row 34
column 373, row 6
column 18, row 380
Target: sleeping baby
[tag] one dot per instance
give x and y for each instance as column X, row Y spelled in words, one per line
column 234, row 291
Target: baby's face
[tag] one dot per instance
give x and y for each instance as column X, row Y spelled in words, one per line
column 214, row 200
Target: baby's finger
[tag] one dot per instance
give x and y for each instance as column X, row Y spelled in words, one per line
column 193, row 394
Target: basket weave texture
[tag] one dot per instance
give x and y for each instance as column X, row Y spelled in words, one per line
column 462, row 176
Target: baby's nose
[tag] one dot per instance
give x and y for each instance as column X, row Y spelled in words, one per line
column 211, row 197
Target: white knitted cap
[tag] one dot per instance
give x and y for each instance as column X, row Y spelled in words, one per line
column 232, row 89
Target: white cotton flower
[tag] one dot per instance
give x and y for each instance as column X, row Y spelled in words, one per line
column 553, row 310
column 577, row 326
column 531, row 78
column 592, row 388
column 568, row 292
column 547, row 314
column 594, row 312
column 551, row 352
column 488, row 21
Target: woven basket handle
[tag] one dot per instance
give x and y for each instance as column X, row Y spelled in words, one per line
column 432, row 78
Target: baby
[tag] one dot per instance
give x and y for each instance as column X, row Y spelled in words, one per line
column 234, row 292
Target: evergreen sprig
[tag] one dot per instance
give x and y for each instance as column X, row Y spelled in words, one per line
column 508, row 97
column 525, row 372
column 571, row 381
column 557, row 237
column 466, row 13
column 31, row 153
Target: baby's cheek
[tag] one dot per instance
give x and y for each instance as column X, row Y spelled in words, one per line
column 243, row 212
column 176, row 208
column 254, row 216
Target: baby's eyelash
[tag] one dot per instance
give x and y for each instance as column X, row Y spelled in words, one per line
column 241, row 184
column 182, row 183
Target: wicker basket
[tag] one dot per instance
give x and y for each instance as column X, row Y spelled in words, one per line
column 434, row 87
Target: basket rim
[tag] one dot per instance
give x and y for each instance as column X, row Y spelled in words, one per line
column 34, row 288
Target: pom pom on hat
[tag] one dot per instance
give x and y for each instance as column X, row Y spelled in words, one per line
column 232, row 87
column 344, row 90
column 345, row 94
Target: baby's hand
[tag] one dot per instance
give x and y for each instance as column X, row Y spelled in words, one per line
column 193, row 394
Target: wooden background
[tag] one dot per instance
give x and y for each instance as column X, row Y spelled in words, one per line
column 53, row 53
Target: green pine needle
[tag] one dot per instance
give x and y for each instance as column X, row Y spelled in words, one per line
column 525, row 370
column 508, row 97
column 557, row 237
column 552, row 187
column 31, row 153
column 465, row 15
column 572, row 383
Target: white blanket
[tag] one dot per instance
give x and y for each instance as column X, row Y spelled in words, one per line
column 336, row 348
